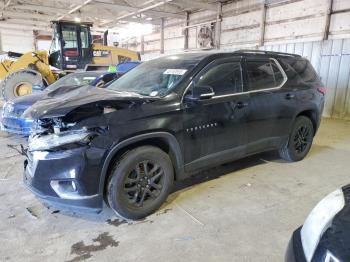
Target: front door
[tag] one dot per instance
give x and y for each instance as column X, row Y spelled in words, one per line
column 215, row 128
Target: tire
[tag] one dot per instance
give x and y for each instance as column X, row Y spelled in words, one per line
column 129, row 183
column 299, row 141
column 12, row 81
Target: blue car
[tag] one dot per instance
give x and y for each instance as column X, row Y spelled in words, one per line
column 11, row 116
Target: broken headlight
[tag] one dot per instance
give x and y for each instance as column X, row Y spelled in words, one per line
column 46, row 142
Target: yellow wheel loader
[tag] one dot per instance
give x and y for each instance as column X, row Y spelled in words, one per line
column 71, row 49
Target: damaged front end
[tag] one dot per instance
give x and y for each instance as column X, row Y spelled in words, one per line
column 63, row 166
column 54, row 134
column 68, row 145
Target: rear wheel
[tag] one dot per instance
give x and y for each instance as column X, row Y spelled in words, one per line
column 140, row 182
column 300, row 140
column 19, row 83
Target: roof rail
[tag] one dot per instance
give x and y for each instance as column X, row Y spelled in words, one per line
column 247, row 51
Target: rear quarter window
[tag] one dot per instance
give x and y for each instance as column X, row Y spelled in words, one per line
column 300, row 71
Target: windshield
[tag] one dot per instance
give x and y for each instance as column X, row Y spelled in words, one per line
column 75, row 79
column 154, row 78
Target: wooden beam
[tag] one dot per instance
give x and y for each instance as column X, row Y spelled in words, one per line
column 328, row 19
column 218, row 25
column 75, row 9
column 40, row 8
column 25, row 15
column 263, row 23
column 151, row 13
column 142, row 45
column 186, row 31
column 196, row 5
column 162, row 37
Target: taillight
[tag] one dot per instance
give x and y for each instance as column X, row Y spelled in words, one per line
column 322, row 90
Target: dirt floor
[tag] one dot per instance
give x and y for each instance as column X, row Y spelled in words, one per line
column 242, row 211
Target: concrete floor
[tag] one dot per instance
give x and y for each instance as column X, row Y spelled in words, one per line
column 243, row 211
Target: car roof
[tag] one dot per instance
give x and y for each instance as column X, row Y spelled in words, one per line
column 198, row 56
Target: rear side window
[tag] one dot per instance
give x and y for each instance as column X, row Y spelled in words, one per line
column 225, row 78
column 299, row 71
column 305, row 71
column 263, row 74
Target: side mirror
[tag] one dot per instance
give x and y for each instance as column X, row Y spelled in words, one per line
column 200, row 93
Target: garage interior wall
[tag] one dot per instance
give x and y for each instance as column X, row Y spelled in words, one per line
column 16, row 41
column 297, row 26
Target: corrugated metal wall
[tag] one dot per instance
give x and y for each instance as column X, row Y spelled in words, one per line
column 331, row 59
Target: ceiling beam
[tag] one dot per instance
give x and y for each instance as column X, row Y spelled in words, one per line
column 20, row 14
column 75, row 9
column 139, row 11
column 40, row 8
column 195, row 4
column 142, row 21
column 152, row 13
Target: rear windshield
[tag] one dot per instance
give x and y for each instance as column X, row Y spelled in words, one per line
column 300, row 71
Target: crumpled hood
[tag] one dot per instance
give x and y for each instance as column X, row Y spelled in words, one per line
column 28, row 100
column 61, row 104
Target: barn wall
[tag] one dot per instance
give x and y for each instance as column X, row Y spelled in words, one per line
column 16, row 41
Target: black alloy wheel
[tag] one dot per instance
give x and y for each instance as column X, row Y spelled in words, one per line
column 299, row 141
column 144, row 183
column 302, row 139
column 140, row 182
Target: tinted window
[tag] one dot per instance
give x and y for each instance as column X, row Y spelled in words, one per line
column 223, row 78
column 305, row 71
column 263, row 74
column 299, row 71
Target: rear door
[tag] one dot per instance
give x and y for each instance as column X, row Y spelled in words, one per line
column 271, row 105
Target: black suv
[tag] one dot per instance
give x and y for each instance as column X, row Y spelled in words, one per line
column 166, row 119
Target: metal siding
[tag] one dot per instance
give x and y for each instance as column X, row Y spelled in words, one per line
column 331, row 60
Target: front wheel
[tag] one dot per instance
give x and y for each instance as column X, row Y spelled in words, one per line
column 140, row 182
column 300, row 140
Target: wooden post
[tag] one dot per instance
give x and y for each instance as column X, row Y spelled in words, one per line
column 262, row 24
column 35, row 43
column 142, row 45
column 218, row 25
column 162, row 36
column 328, row 19
column 186, row 31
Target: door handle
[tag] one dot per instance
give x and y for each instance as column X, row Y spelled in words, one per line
column 240, row 105
column 290, row 96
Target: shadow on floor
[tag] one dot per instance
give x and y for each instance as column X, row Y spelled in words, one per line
column 107, row 215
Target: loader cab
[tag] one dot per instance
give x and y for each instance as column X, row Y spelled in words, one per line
column 71, row 47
